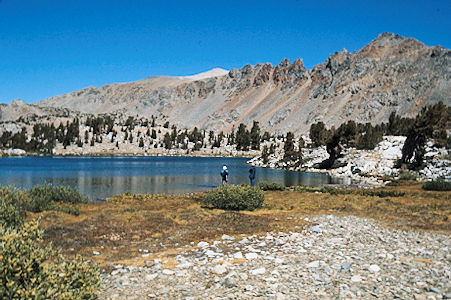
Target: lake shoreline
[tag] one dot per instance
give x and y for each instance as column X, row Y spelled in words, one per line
column 126, row 154
column 102, row 177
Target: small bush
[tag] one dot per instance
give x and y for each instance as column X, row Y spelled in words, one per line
column 270, row 186
column 68, row 209
column 44, row 196
column 437, row 185
column 234, row 197
column 304, row 189
column 12, row 203
column 334, row 191
column 407, row 176
column 382, row 193
column 29, row 270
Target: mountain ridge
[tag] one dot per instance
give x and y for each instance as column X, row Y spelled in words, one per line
column 391, row 73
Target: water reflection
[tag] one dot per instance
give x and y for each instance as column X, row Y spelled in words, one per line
column 102, row 177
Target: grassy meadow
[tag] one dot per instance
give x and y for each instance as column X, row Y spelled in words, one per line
column 164, row 224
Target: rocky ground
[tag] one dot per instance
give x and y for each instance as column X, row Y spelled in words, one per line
column 336, row 257
column 367, row 167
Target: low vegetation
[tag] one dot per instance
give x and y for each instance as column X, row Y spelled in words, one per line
column 270, row 186
column 437, row 185
column 30, row 268
column 234, row 197
column 46, row 197
column 381, row 193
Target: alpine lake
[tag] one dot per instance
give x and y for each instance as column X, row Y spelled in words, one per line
column 101, row 177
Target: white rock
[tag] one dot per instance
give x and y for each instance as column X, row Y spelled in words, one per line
column 316, row 229
column 167, row 272
column 356, row 278
column 211, row 253
column 250, row 256
column 184, row 265
column 313, row 264
column 227, row 237
column 279, row 260
column 202, row 244
column 219, row 269
column 280, row 296
column 374, row 268
column 238, row 255
column 258, row 271
column 95, row 253
column 150, row 277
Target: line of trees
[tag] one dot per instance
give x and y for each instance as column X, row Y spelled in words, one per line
column 44, row 137
column 431, row 123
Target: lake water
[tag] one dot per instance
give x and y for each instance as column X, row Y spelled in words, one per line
column 103, row 177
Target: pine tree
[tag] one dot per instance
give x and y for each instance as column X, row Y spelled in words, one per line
column 265, row 154
column 290, row 154
column 429, row 124
column 243, row 138
column 255, row 136
column 167, row 141
column 318, row 134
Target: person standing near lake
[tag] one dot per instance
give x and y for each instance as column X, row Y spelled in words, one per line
column 252, row 173
column 225, row 175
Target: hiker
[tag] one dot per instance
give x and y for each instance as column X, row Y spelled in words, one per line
column 225, row 175
column 252, row 172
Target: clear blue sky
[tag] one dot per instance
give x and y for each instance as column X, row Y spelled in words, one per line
column 54, row 47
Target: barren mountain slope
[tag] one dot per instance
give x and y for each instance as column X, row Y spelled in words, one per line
column 392, row 73
column 18, row 108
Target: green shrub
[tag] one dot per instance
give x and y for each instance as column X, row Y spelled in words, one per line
column 382, row 193
column 67, row 208
column 12, row 206
column 305, row 189
column 44, row 196
column 234, row 197
column 334, row 191
column 437, row 185
column 271, row 186
column 407, row 176
column 29, row 270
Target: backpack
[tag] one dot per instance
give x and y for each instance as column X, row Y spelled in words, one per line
column 224, row 173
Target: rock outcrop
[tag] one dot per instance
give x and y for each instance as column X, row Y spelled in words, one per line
column 391, row 74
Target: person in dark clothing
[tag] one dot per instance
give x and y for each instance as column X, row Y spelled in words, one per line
column 225, row 175
column 252, row 173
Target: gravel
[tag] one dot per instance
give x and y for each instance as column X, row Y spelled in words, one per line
column 349, row 258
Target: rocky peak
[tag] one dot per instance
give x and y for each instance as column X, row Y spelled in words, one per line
column 264, row 74
column 388, row 44
column 285, row 71
column 18, row 102
column 338, row 62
